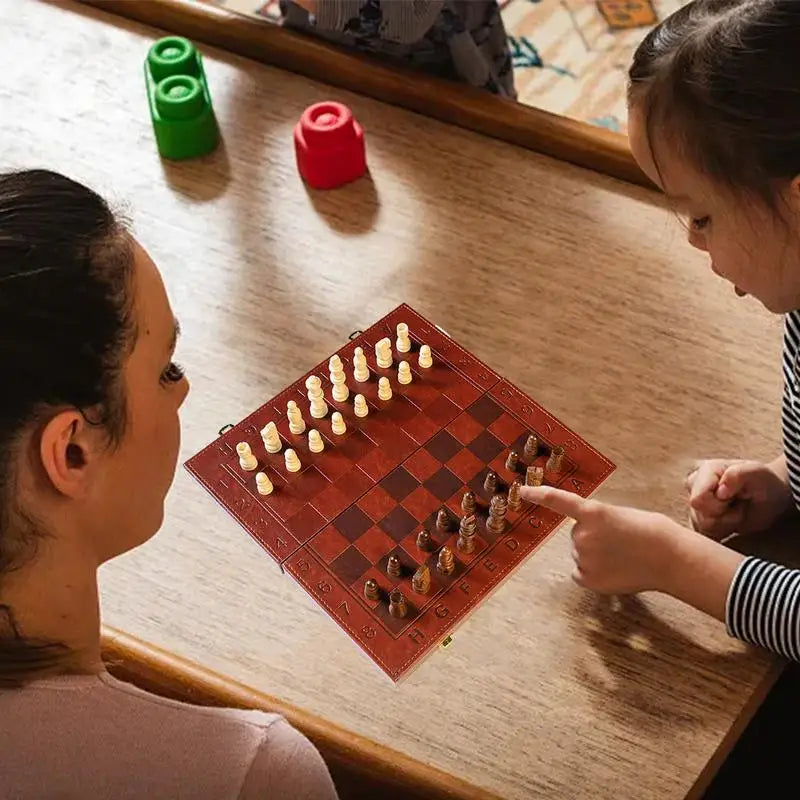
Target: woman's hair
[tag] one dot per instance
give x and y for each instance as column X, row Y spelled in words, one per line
column 720, row 79
column 65, row 328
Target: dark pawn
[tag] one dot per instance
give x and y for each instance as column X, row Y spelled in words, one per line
column 490, row 484
column 424, row 541
column 512, row 461
column 371, row 590
column 468, row 503
column 393, row 567
column 531, row 447
column 443, row 520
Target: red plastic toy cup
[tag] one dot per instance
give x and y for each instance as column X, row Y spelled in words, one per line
column 329, row 145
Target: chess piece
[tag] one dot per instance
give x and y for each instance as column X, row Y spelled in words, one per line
column 397, row 604
column 271, row 438
column 315, row 441
column 421, row 581
column 446, row 563
column 403, row 343
column 556, row 457
column 466, row 534
column 424, row 541
column 514, row 495
column 360, row 368
column 360, row 407
column 404, row 373
column 297, row 424
column 384, row 389
column 383, row 353
column 263, row 483
column 371, row 589
column 531, row 447
column 490, row 483
column 534, row 476
column 337, row 423
column 497, row 514
column 247, row 461
column 468, row 503
column 512, row 461
column 393, row 567
column 340, row 392
column 443, row 520
column 335, row 363
column 425, row 359
column 292, row 460
column 319, row 408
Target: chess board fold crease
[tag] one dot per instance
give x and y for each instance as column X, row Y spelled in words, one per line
column 335, row 523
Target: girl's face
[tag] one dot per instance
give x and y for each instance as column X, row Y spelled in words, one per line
column 750, row 245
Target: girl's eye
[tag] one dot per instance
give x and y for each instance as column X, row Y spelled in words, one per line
column 172, row 374
column 699, row 223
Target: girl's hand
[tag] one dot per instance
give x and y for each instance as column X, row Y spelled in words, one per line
column 736, row 496
column 617, row 550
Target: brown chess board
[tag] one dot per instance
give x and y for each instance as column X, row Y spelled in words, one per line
column 369, row 493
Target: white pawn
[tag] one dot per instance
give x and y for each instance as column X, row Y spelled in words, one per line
column 361, row 408
column 297, row 424
column 403, row 343
column 383, row 353
column 361, row 370
column 315, row 443
column 337, row 423
column 319, row 408
column 247, row 461
column 292, row 461
column 335, row 363
column 404, row 372
column 272, row 441
column 425, row 357
column 263, row 483
column 384, row 389
column 340, row 390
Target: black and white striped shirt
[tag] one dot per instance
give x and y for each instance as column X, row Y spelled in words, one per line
column 763, row 605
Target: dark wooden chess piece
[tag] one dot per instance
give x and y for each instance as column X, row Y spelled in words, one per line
column 393, row 567
column 446, row 563
column 531, row 447
column 497, row 514
column 512, row 461
column 424, row 541
column 556, row 457
column 468, row 503
column 490, row 484
column 397, row 604
column 515, row 495
column 371, row 589
column 443, row 520
column 421, row 582
column 466, row 534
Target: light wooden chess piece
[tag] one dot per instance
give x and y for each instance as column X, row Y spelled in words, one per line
column 319, row 408
column 360, row 368
column 425, row 359
column 404, row 373
column 297, row 424
column 446, row 562
column 421, row 581
column 292, row 460
column 384, row 389
column 271, row 438
column 534, row 476
column 316, row 444
column 403, row 343
column 554, row 463
column 247, row 461
column 397, row 604
column 340, row 391
column 263, row 483
column 360, row 407
column 383, row 353
column 337, row 423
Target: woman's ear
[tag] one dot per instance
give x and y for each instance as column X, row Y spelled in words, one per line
column 65, row 448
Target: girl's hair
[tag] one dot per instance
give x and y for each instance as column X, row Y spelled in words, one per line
column 719, row 78
column 65, row 328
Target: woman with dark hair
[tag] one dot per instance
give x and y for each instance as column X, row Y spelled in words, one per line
column 714, row 103
column 88, row 419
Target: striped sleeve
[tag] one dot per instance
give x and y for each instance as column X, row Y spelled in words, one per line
column 763, row 606
column 401, row 21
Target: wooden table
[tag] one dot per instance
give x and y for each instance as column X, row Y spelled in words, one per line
column 578, row 288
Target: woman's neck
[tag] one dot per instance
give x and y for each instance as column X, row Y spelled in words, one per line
column 53, row 598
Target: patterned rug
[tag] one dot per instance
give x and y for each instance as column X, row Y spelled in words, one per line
column 570, row 56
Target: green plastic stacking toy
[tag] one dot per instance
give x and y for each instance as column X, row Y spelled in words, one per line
column 180, row 103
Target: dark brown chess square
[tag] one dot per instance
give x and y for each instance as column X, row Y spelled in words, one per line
column 442, row 484
column 486, row 447
column 485, row 410
column 399, row 483
column 398, row 523
column 350, row 565
column 443, row 446
column 352, row 523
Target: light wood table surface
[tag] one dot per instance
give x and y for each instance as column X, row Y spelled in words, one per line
column 579, row 289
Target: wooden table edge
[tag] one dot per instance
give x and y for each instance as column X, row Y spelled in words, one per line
column 163, row 673
column 474, row 109
column 754, row 702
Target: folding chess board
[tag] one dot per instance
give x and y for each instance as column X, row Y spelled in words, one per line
column 366, row 496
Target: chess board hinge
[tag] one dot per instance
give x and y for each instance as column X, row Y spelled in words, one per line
column 224, row 429
column 355, row 335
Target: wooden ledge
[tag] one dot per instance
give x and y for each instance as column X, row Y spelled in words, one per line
column 466, row 106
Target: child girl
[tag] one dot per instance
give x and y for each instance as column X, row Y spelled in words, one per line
column 88, row 409
column 715, row 122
